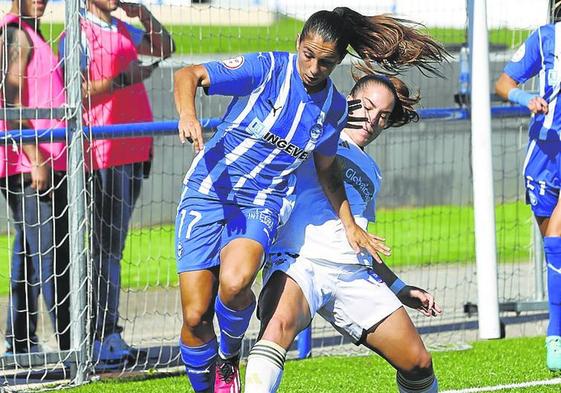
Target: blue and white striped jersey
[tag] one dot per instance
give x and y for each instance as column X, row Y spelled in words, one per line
column 313, row 228
column 541, row 54
column 271, row 126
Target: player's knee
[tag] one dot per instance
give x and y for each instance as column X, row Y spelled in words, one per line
column 280, row 327
column 236, row 290
column 194, row 318
column 419, row 364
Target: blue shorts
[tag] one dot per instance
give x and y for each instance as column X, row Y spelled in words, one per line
column 542, row 171
column 204, row 226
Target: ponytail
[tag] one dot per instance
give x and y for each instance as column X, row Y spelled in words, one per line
column 380, row 41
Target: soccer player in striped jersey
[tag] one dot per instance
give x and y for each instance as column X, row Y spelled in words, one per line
column 540, row 55
column 312, row 269
column 285, row 110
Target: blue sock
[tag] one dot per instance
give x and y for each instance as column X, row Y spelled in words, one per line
column 199, row 362
column 233, row 325
column 552, row 248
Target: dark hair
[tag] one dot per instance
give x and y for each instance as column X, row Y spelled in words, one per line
column 403, row 111
column 391, row 43
column 556, row 11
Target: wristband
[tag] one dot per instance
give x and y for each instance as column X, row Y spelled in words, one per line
column 397, row 286
column 519, row 96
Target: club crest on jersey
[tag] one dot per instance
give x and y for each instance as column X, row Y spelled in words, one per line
column 315, row 132
column 233, row 63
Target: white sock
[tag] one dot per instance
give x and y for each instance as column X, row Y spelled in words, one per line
column 426, row 385
column 264, row 367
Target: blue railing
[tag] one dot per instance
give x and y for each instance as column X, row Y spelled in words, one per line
column 170, row 127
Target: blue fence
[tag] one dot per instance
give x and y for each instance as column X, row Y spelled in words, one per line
column 170, row 127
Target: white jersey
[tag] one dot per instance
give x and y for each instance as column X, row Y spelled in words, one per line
column 314, row 229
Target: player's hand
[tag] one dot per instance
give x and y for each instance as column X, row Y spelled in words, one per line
column 357, row 120
column 40, row 177
column 420, row 300
column 190, row 130
column 359, row 240
column 134, row 10
column 538, row 105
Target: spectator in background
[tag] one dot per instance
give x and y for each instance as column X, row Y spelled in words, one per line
column 114, row 94
column 32, row 180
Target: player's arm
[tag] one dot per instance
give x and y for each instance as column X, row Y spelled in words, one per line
column 525, row 64
column 156, row 41
column 331, row 179
column 409, row 295
column 17, row 48
column 507, row 89
column 186, row 81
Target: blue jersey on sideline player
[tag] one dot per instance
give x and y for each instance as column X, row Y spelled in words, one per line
column 540, row 55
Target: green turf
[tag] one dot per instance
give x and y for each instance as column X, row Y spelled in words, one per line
column 488, row 363
column 418, row 236
column 280, row 36
column 441, row 234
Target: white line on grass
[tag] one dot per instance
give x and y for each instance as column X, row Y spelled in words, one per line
column 554, row 381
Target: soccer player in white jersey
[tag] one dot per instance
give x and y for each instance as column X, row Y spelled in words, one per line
column 284, row 110
column 540, row 55
column 312, row 269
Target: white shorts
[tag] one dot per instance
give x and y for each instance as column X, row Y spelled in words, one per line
column 352, row 298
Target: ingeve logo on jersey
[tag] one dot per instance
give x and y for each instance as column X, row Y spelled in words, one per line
column 286, row 146
column 234, row 63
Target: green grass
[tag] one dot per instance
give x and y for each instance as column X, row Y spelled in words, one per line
column 418, row 236
column 441, row 234
column 488, row 363
column 280, row 36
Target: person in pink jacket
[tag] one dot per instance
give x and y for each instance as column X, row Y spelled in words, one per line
column 33, row 181
column 115, row 94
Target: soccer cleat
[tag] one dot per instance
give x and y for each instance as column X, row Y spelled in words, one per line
column 227, row 378
column 114, row 350
column 553, row 345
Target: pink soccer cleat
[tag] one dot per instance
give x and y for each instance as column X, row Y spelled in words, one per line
column 227, row 378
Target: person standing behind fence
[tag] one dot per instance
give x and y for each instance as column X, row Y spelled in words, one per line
column 114, row 94
column 32, row 180
column 540, row 54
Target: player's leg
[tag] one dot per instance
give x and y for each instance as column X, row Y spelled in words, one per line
column 62, row 261
column 385, row 328
column 240, row 261
column 552, row 249
column 284, row 312
column 198, row 342
column 22, row 307
column 246, row 239
column 542, row 169
column 38, row 227
column 396, row 339
column 198, row 230
column 54, row 272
